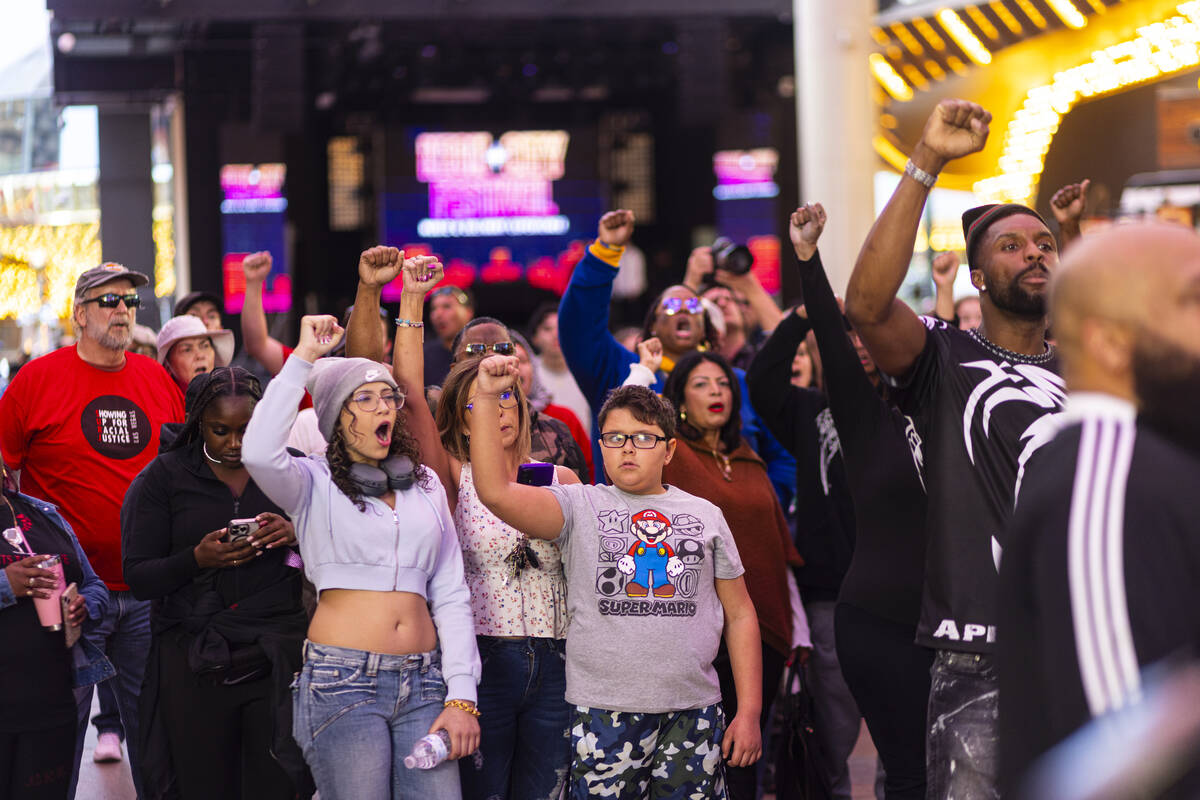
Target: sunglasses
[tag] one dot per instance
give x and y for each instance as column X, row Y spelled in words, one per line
column 678, row 305
column 507, row 400
column 453, row 291
column 499, row 348
column 130, row 300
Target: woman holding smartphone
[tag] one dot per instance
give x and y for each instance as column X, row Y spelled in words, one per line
column 518, row 592
column 390, row 656
column 228, row 624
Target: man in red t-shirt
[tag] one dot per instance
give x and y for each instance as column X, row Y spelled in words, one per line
column 78, row 424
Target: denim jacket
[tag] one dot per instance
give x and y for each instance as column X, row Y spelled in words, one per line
column 91, row 666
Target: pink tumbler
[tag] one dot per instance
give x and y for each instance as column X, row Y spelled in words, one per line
column 49, row 609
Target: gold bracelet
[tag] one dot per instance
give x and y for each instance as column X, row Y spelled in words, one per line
column 462, row 705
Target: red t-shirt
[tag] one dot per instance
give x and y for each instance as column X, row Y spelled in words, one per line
column 306, row 401
column 79, row 435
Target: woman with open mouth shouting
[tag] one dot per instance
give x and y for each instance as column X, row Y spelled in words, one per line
column 390, row 655
column 715, row 462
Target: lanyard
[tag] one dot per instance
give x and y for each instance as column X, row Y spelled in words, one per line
column 14, row 536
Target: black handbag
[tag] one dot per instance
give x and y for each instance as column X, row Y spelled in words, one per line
column 798, row 758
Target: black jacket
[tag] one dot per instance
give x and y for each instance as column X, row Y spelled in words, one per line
column 219, row 613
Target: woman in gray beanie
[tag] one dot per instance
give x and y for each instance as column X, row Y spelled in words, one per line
column 391, row 654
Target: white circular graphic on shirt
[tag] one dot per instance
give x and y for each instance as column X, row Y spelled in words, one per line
column 115, row 427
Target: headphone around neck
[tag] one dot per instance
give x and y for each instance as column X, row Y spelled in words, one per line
column 396, row 473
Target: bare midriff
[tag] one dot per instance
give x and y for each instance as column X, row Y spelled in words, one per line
column 397, row 623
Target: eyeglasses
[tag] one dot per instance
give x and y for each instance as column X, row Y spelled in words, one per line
column 369, row 401
column 507, row 400
column 642, row 441
column 499, row 348
column 677, row 305
column 110, row 300
column 452, row 291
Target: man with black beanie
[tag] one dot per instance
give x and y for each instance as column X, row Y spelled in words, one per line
column 978, row 399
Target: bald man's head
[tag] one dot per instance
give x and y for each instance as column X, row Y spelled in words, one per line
column 1125, row 306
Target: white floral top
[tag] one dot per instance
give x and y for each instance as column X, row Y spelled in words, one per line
column 533, row 603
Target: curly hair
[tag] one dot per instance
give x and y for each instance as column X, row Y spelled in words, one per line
column 207, row 387
column 451, row 411
column 731, row 435
column 337, row 455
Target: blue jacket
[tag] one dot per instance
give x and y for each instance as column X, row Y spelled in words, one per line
column 91, row 665
column 599, row 364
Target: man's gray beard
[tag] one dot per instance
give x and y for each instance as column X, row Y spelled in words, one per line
column 112, row 341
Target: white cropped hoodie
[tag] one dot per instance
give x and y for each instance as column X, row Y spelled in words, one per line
column 413, row 548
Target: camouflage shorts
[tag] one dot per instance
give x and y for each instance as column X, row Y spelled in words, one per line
column 628, row 756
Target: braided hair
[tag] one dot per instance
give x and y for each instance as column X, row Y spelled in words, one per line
column 207, row 387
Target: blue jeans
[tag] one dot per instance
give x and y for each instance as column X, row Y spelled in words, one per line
column 525, row 745
column 123, row 633
column 109, row 718
column 960, row 749
column 358, row 714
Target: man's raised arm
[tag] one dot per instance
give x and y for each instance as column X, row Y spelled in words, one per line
column 891, row 330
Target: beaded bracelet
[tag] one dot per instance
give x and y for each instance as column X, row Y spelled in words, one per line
column 462, row 705
column 409, row 323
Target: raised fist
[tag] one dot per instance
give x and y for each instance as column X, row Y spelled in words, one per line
column 616, row 228
column 421, row 273
column 256, row 266
column 674, row 567
column 497, row 374
column 379, row 266
column 945, row 269
column 319, row 333
column 1070, row 202
column 804, row 229
column 956, row 128
column 625, row 565
column 650, row 353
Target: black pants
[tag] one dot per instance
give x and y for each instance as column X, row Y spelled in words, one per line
column 220, row 736
column 36, row 765
column 742, row 782
column 888, row 674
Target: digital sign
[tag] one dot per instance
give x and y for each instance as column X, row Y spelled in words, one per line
column 746, row 208
column 501, row 207
column 253, row 218
column 746, row 174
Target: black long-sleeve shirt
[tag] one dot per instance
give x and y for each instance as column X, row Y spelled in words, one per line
column 880, row 449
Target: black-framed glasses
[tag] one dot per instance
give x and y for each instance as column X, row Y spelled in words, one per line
column 451, row 291
column 642, row 441
column 369, row 401
column 678, row 305
column 111, row 300
column 499, row 348
column 507, row 400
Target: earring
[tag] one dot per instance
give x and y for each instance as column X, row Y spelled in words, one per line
column 683, row 415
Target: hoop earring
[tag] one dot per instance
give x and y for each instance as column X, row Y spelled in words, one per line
column 204, row 447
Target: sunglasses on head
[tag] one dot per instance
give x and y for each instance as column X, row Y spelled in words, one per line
column 110, row 300
column 678, row 305
column 499, row 348
column 453, row 291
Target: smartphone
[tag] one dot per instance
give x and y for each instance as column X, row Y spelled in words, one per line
column 535, row 474
column 241, row 529
column 70, row 631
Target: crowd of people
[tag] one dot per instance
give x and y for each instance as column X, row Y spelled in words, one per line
column 582, row 569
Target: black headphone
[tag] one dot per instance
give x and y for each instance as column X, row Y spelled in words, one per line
column 397, row 473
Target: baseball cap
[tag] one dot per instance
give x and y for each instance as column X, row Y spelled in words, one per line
column 191, row 298
column 109, row 271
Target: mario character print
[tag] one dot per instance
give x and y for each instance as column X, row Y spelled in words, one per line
column 650, row 563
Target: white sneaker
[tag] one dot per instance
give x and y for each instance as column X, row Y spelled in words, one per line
column 108, row 749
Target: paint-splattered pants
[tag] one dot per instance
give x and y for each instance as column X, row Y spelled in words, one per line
column 961, row 748
column 628, row 756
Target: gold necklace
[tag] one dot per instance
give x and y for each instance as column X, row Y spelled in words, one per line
column 724, row 463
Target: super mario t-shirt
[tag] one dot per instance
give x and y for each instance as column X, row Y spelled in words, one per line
column 80, row 434
column 645, row 620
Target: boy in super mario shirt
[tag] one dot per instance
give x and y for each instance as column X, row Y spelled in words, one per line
column 647, row 614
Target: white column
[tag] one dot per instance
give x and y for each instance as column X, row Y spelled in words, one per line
column 835, row 123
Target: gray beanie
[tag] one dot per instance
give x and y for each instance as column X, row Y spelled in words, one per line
column 334, row 379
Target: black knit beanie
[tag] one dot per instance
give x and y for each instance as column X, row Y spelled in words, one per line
column 977, row 220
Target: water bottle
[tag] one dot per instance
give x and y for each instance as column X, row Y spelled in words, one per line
column 429, row 751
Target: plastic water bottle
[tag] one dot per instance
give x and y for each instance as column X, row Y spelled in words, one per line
column 429, row 751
